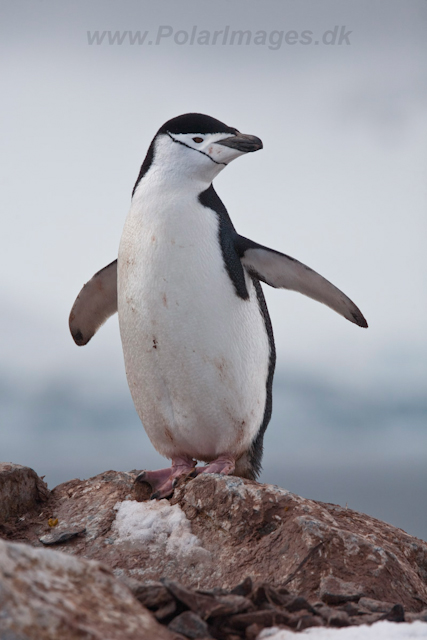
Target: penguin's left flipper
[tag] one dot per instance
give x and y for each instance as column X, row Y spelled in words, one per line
column 96, row 302
column 282, row 271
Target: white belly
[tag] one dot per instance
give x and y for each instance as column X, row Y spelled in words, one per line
column 196, row 355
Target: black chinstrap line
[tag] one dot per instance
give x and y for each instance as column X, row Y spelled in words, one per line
column 192, row 149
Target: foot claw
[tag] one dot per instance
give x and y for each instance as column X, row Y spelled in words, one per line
column 165, row 491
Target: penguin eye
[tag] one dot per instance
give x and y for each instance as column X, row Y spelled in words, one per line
column 197, row 139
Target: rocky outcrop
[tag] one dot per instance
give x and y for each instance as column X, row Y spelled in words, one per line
column 217, row 531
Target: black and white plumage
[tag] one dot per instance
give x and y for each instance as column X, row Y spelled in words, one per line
column 197, row 339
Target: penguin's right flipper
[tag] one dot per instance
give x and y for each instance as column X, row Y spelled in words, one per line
column 96, row 302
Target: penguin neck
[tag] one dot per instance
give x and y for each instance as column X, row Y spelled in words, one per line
column 161, row 180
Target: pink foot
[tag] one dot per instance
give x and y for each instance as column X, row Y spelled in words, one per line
column 224, row 464
column 163, row 481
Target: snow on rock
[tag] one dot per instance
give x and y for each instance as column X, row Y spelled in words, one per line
column 162, row 526
column 379, row 631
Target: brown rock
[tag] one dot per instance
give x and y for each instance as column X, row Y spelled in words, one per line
column 244, row 588
column 231, row 604
column 375, row 605
column 396, row 614
column 335, row 591
column 252, row 632
column 57, row 537
column 190, row 625
column 339, row 619
column 303, row 620
column 351, row 609
column 308, row 621
column 216, row 531
column 166, row 612
column 324, row 611
column 274, row 596
column 267, row 618
column 298, row 603
column 366, row 618
column 21, row 490
column 46, row 595
column 207, row 606
column 153, row 596
column 421, row 616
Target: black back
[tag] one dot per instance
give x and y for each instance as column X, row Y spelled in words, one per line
column 232, row 247
column 257, row 447
column 227, row 239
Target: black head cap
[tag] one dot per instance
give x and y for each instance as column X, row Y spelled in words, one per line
column 195, row 123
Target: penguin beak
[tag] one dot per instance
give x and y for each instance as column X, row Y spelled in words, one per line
column 242, row 142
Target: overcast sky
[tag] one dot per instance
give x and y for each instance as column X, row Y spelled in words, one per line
column 340, row 183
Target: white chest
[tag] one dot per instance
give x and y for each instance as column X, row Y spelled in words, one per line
column 196, row 355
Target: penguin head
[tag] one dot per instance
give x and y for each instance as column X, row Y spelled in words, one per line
column 197, row 147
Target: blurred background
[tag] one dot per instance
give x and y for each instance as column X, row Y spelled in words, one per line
column 340, row 185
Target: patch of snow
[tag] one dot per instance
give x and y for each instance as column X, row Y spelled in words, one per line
column 162, row 526
column 383, row 630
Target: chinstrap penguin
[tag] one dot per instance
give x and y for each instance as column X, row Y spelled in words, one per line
column 197, row 338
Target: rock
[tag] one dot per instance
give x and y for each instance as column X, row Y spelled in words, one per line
column 270, row 534
column 190, row 625
column 396, row 614
column 421, row 616
column 266, row 618
column 335, row 591
column 375, row 605
column 252, row 632
column 267, row 593
column 324, row 611
column 46, row 595
column 225, row 557
column 350, row 608
column 298, row 603
column 243, row 589
column 216, row 531
column 339, row 619
column 153, row 595
column 207, row 606
column 306, row 621
column 21, row 490
column 60, row 536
